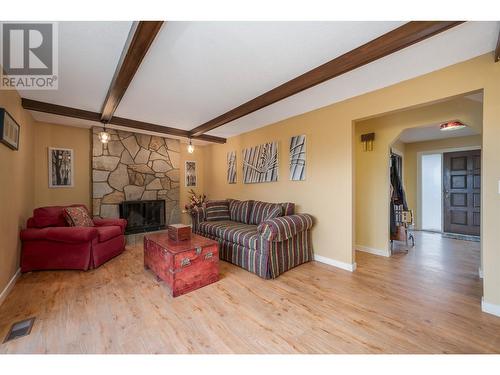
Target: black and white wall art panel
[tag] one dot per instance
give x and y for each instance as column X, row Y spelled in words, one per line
column 298, row 158
column 260, row 163
column 231, row 167
column 190, row 173
column 61, row 167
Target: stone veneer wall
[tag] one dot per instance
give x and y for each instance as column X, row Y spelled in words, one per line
column 135, row 167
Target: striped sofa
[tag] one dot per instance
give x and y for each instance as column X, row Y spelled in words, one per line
column 264, row 238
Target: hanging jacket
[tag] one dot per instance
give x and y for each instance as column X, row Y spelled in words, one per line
column 398, row 196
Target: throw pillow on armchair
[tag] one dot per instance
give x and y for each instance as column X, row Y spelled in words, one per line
column 78, row 217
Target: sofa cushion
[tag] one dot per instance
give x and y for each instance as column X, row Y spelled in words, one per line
column 242, row 234
column 52, row 216
column 78, row 217
column 274, row 213
column 217, row 210
column 107, row 233
column 288, row 208
column 261, row 210
column 239, row 211
column 210, row 227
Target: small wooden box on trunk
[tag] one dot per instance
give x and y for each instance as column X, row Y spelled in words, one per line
column 179, row 232
column 184, row 266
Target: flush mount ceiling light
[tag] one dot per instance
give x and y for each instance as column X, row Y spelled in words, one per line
column 104, row 136
column 190, row 147
column 451, row 125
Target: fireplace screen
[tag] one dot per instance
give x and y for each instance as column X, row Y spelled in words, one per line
column 143, row 216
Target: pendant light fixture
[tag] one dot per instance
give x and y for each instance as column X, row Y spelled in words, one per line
column 451, row 125
column 190, row 147
column 104, row 136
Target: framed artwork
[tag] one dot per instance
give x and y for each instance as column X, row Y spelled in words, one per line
column 260, row 163
column 190, row 173
column 61, row 167
column 231, row 167
column 9, row 130
column 298, row 158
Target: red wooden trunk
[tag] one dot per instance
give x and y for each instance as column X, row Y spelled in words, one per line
column 184, row 266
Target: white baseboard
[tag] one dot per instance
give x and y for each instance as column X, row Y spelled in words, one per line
column 332, row 262
column 371, row 250
column 490, row 308
column 480, row 271
column 9, row 286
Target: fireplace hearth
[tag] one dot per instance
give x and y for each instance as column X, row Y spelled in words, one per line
column 143, row 216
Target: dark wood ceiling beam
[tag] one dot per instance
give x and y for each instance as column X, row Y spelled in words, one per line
column 147, row 126
column 497, row 50
column 140, row 38
column 393, row 41
column 60, row 110
column 141, row 125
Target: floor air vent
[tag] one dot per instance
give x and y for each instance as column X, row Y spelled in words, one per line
column 20, row 329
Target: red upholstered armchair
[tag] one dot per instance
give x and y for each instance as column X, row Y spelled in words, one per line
column 49, row 243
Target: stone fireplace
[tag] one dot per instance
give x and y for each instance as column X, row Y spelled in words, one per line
column 135, row 167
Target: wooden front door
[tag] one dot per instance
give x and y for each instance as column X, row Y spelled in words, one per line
column 462, row 192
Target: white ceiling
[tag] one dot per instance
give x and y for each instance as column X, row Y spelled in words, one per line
column 195, row 71
column 432, row 132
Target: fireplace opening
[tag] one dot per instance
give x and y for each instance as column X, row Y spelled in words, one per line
column 143, row 216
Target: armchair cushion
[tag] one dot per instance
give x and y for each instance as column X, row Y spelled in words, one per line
column 50, row 216
column 284, row 227
column 60, row 234
column 122, row 223
column 108, row 232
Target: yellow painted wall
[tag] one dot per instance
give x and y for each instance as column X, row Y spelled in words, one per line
column 372, row 168
column 325, row 193
column 16, row 187
column 410, row 167
column 329, row 191
column 78, row 139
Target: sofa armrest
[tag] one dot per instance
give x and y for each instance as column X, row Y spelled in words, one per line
column 122, row 223
column 198, row 215
column 284, row 227
column 60, row 234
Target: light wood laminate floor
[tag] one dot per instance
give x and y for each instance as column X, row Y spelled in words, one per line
column 427, row 301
